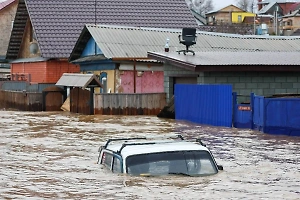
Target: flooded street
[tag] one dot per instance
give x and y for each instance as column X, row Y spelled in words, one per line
column 48, row 155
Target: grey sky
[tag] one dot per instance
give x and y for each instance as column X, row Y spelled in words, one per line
column 222, row 3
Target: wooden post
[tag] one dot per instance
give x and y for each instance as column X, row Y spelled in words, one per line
column 134, row 76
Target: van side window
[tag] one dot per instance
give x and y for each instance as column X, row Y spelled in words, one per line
column 107, row 159
column 117, row 165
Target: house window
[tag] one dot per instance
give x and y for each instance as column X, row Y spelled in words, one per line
column 239, row 18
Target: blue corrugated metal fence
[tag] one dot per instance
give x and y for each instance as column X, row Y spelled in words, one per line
column 205, row 104
column 277, row 115
column 242, row 113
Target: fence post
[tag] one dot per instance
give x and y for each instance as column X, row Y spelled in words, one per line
column 234, row 103
column 252, row 109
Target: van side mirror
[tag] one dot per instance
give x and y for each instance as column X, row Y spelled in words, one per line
column 220, row 167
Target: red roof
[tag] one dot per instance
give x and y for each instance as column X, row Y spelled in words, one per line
column 295, row 6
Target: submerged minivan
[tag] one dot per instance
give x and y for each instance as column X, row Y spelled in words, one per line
column 151, row 157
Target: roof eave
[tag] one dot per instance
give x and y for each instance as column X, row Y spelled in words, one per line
column 225, row 67
column 175, row 62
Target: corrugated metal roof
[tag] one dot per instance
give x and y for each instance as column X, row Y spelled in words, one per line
column 79, row 80
column 130, row 42
column 266, row 8
column 234, row 58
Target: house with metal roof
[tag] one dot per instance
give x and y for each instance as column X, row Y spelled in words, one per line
column 45, row 32
column 7, row 13
column 251, row 63
column 283, row 7
column 291, row 23
column 264, row 65
column 121, row 62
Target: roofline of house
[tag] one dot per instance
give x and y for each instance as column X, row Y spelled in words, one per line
column 130, row 58
column 224, row 68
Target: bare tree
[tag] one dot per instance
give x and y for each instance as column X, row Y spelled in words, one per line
column 201, row 6
column 247, row 5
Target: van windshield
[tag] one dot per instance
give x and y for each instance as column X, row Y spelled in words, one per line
column 191, row 163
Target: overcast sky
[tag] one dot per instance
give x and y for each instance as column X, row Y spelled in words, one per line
column 222, row 3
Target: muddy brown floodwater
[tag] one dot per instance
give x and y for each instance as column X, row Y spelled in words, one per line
column 53, row 155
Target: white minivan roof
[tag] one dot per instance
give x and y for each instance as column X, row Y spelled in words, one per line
column 144, row 147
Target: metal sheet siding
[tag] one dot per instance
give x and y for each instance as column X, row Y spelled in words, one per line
column 242, row 113
column 258, row 113
column 282, row 116
column 74, row 80
column 14, row 85
column 204, row 104
column 234, row 58
column 242, row 118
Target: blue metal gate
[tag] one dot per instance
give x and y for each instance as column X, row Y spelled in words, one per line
column 242, row 113
column 204, row 104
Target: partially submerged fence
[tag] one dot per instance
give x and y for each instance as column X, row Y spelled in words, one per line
column 275, row 115
column 205, row 104
column 129, row 104
column 217, row 105
column 21, row 100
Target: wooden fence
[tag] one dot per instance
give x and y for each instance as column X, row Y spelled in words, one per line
column 21, row 100
column 129, row 104
column 104, row 104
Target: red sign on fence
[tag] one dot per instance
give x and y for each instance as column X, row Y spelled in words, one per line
column 244, row 108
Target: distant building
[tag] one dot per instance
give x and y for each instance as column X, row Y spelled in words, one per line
column 7, row 14
column 283, row 7
column 226, row 15
column 291, row 23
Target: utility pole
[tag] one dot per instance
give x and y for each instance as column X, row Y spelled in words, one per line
column 254, row 25
column 254, row 20
column 276, row 21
